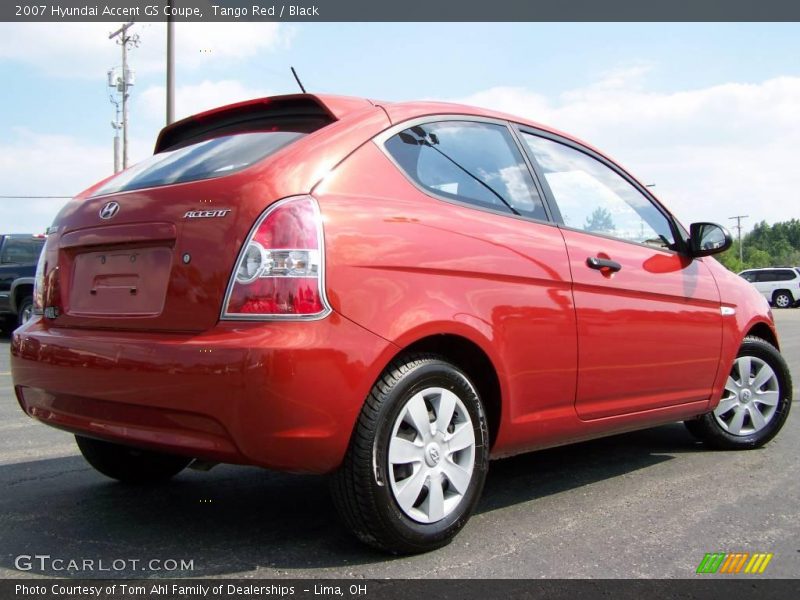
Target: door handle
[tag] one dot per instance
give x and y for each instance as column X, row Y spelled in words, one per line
column 594, row 262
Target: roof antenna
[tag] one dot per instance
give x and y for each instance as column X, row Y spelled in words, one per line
column 297, row 79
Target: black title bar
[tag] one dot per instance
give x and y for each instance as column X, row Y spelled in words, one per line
column 710, row 588
column 399, row 10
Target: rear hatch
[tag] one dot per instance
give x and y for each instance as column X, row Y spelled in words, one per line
column 153, row 247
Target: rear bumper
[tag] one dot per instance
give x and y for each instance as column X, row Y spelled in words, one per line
column 283, row 395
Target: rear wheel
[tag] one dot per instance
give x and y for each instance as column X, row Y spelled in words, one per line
column 782, row 299
column 25, row 310
column 130, row 465
column 417, row 460
column 8, row 323
column 755, row 403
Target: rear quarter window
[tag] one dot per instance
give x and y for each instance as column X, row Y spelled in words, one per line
column 775, row 275
column 785, row 275
column 203, row 160
column 471, row 162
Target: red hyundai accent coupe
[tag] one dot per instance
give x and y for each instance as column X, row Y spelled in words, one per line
column 393, row 293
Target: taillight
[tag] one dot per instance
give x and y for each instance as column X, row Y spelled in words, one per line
column 38, row 285
column 279, row 272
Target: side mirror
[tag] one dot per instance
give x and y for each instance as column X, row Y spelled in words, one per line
column 708, row 238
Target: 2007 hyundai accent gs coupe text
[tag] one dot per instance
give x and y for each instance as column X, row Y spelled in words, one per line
column 389, row 292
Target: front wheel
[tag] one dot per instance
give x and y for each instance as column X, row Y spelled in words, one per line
column 417, row 459
column 130, row 465
column 756, row 401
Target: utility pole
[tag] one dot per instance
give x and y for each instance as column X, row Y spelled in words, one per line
column 739, row 229
column 170, row 66
column 116, row 125
column 125, row 82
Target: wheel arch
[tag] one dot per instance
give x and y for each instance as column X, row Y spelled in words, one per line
column 471, row 358
column 17, row 291
column 764, row 331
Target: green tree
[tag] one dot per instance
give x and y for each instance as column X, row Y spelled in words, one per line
column 766, row 246
column 730, row 259
column 758, row 258
column 600, row 220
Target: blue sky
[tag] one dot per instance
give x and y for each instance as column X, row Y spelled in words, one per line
column 692, row 107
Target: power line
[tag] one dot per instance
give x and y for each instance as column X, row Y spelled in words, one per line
column 739, row 228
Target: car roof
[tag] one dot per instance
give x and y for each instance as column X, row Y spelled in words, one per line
column 403, row 111
column 357, row 109
column 338, row 107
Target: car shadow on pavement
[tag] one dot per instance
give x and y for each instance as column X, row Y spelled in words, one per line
column 233, row 519
column 548, row 472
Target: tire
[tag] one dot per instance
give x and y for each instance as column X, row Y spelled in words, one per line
column 749, row 415
column 25, row 310
column 130, row 465
column 783, row 300
column 8, row 323
column 391, row 500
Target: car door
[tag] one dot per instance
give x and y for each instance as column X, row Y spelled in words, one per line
column 648, row 316
column 504, row 259
column 753, row 278
column 766, row 280
column 762, row 285
column 5, row 282
column 9, row 271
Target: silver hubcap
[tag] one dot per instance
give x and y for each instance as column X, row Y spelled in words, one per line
column 26, row 315
column 782, row 301
column 751, row 397
column 431, row 455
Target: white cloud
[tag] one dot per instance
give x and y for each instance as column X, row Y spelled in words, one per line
column 45, row 164
column 84, row 50
column 712, row 152
column 231, row 42
column 71, row 162
column 622, row 77
column 191, row 99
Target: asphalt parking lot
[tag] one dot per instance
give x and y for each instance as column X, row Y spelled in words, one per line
column 646, row 504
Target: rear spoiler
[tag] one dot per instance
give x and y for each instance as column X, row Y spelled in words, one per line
column 296, row 112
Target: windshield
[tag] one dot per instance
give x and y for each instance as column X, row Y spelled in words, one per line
column 210, row 158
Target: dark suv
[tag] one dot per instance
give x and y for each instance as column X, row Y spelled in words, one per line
column 19, row 254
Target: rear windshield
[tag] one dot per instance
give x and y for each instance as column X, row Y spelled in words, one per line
column 210, row 158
